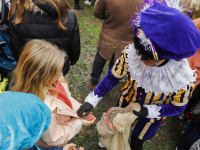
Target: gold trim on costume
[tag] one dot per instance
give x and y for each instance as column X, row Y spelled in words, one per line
column 146, row 127
column 159, row 102
column 147, row 98
column 134, row 124
column 135, row 93
column 176, row 102
column 120, row 101
column 179, row 104
column 120, row 72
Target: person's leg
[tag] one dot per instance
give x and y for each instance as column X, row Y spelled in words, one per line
column 136, row 144
column 190, row 138
column 97, row 67
column 143, row 129
column 111, row 62
column 77, row 6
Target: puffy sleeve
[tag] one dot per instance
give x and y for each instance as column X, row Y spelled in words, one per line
column 177, row 102
column 112, row 78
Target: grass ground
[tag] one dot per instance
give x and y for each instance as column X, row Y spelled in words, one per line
column 167, row 137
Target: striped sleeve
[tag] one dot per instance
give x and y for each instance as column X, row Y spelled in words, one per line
column 120, row 68
column 177, row 101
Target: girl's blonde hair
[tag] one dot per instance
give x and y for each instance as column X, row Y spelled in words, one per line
column 38, row 64
column 61, row 6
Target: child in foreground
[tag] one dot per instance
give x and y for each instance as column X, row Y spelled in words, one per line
column 20, row 128
column 39, row 71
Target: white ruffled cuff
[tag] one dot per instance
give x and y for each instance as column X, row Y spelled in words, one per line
column 153, row 111
column 93, row 99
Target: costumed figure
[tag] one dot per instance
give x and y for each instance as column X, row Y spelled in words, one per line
column 160, row 80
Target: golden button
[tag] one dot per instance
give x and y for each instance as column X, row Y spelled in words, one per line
column 140, row 93
column 139, row 98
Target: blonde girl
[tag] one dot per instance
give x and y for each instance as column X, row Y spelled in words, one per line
column 39, row 71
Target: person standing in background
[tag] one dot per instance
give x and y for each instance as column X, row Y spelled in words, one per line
column 77, row 6
column 115, row 33
column 51, row 20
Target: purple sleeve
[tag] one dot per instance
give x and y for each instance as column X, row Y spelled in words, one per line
column 177, row 102
column 169, row 110
column 106, row 84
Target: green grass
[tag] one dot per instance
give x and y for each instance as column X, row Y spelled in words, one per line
column 167, row 137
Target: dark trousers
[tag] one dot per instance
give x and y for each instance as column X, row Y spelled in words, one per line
column 98, row 65
column 76, row 2
column 190, row 138
column 136, row 144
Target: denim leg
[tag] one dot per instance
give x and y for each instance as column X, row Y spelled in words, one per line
column 97, row 68
column 190, row 138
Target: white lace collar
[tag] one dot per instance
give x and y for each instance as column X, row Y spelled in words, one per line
column 171, row 77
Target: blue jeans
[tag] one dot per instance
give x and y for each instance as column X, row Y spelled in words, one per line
column 190, row 138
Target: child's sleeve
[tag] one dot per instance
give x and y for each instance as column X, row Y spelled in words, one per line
column 61, row 131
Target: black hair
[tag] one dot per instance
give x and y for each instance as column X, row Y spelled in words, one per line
column 141, row 52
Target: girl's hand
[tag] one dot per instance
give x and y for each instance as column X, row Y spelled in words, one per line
column 89, row 117
column 70, row 146
column 88, row 122
column 81, row 148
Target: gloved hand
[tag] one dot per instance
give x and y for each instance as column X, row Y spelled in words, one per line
column 84, row 110
column 142, row 113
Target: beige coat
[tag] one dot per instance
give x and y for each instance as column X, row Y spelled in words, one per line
column 65, row 123
column 115, row 33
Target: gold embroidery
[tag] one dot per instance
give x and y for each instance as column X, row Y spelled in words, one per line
column 135, row 93
column 134, row 124
column 177, row 97
column 179, row 104
column 185, row 99
column 146, row 127
column 156, row 97
column 120, row 101
column 147, row 98
column 121, row 66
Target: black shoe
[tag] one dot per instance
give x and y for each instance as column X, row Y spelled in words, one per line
column 78, row 7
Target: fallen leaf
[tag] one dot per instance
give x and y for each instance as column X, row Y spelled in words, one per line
column 157, row 135
column 79, row 98
column 82, row 131
column 88, row 131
